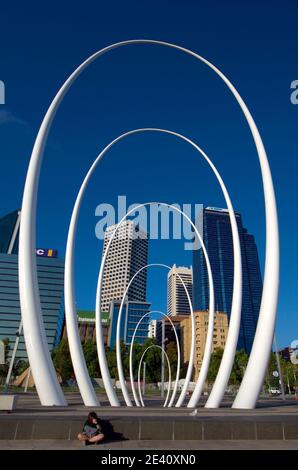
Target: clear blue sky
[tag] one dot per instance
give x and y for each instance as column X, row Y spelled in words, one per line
column 255, row 45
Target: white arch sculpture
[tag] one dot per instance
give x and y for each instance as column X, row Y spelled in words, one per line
column 83, row 379
column 46, row 382
column 118, row 349
column 234, row 325
column 139, row 374
column 99, row 337
column 131, row 350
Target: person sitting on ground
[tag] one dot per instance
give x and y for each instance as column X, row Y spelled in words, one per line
column 92, row 432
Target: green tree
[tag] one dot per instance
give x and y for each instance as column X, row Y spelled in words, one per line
column 289, row 373
column 21, row 366
column 62, row 361
column 171, row 351
column 91, row 358
column 153, row 361
column 125, row 349
column 215, row 361
column 239, row 366
column 112, row 363
column 137, row 350
column 4, row 367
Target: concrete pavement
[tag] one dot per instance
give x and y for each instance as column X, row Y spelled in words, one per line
column 33, row 425
column 51, row 444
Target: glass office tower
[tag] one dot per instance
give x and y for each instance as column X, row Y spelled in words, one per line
column 217, row 235
column 131, row 314
column 9, row 232
column 50, row 273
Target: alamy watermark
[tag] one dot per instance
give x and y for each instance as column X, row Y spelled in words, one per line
column 294, row 93
column 154, row 221
column 2, row 92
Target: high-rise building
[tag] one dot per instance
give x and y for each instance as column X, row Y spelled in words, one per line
column 9, row 232
column 152, row 329
column 50, row 274
column 131, row 314
column 220, row 332
column 127, row 254
column 178, row 303
column 215, row 227
column 169, row 333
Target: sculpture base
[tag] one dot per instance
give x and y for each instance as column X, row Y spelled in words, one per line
column 272, row 420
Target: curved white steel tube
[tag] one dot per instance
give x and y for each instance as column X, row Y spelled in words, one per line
column 47, row 385
column 234, row 324
column 118, row 348
column 99, row 338
column 131, row 350
column 82, row 375
column 139, row 373
column 81, row 371
column 75, row 348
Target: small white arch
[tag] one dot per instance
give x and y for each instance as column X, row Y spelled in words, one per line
column 139, row 373
column 99, row 337
column 118, row 348
column 131, row 351
column 81, row 372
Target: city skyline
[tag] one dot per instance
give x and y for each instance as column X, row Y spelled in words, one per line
column 122, row 249
column 128, row 253
column 187, row 98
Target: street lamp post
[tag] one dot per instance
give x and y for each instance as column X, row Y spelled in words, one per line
column 20, row 329
column 288, row 382
column 162, row 358
column 295, row 388
column 281, row 380
column 13, row 356
column 144, row 377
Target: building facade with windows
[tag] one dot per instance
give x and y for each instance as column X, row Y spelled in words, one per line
column 9, row 232
column 214, row 225
column 152, row 329
column 131, row 314
column 220, row 333
column 127, row 254
column 86, row 325
column 169, row 333
column 50, row 273
column 177, row 301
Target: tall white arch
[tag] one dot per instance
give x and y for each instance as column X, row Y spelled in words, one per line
column 139, row 374
column 47, row 385
column 118, row 349
column 99, row 337
column 234, row 324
